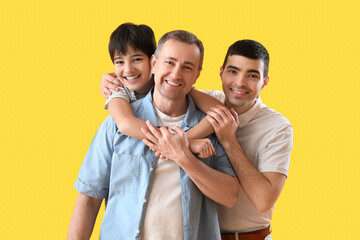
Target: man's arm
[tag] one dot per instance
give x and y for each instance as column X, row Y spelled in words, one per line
column 83, row 218
column 263, row 189
column 218, row 186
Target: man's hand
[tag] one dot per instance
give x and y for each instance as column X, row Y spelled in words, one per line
column 224, row 121
column 169, row 145
column 202, row 147
column 109, row 81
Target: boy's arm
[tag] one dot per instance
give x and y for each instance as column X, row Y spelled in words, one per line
column 83, row 218
column 122, row 113
column 218, row 186
column 204, row 102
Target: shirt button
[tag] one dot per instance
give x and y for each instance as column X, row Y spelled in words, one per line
column 138, row 231
column 144, row 200
column 151, row 169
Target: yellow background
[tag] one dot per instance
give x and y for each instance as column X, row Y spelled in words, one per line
column 53, row 54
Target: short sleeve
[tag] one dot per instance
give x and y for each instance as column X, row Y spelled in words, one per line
column 123, row 93
column 275, row 156
column 94, row 176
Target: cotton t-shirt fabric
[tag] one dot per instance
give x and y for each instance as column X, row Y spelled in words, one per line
column 163, row 219
column 267, row 138
column 124, row 93
column 121, row 169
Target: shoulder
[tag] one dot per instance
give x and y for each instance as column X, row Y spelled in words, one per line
column 219, row 95
column 272, row 119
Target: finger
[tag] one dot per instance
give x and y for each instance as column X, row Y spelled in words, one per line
column 150, row 144
column 217, row 117
column 111, row 85
column 235, row 115
column 222, row 111
column 177, row 130
column 157, row 154
column 212, row 121
column 105, row 93
column 149, row 135
column 154, row 130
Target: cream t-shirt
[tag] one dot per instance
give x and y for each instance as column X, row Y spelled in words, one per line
column 164, row 218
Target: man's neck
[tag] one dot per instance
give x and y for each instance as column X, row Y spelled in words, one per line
column 169, row 107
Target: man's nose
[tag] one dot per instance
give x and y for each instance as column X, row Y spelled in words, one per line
column 176, row 72
column 241, row 80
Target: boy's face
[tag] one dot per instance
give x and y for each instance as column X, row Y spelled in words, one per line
column 242, row 79
column 133, row 70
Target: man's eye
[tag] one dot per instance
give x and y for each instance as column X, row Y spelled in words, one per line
column 137, row 59
column 254, row 76
column 168, row 62
column 119, row 62
column 188, row 68
column 232, row 71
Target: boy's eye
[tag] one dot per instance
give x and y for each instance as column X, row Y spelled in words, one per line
column 119, row 62
column 137, row 59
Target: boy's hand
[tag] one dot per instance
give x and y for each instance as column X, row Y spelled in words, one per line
column 224, row 121
column 202, row 147
column 109, row 81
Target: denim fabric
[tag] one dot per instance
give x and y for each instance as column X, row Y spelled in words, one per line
column 121, row 169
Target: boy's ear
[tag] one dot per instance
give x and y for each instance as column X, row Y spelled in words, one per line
column 153, row 63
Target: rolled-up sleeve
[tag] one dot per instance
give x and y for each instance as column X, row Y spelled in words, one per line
column 94, row 176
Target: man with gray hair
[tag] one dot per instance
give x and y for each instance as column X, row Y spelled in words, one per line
column 150, row 198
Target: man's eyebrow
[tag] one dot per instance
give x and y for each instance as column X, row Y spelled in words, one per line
column 238, row 69
column 186, row 62
column 253, row 71
column 233, row 67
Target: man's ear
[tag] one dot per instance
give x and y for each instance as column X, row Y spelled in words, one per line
column 221, row 71
column 153, row 63
column 197, row 75
column 266, row 81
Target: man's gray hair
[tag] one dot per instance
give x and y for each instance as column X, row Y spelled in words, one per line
column 182, row 36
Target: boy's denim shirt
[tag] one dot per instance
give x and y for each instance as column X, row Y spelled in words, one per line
column 121, row 169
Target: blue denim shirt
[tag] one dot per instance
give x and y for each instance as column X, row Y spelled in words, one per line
column 121, row 169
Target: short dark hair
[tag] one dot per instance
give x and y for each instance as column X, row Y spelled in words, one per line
column 250, row 49
column 139, row 37
column 182, row 36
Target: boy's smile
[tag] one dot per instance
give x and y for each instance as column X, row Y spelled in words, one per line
column 133, row 70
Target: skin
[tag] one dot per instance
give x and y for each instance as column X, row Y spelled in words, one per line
column 176, row 70
column 242, row 80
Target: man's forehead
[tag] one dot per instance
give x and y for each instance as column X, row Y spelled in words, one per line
column 177, row 49
column 244, row 62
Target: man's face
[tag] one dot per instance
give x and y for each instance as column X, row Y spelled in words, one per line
column 175, row 69
column 242, row 79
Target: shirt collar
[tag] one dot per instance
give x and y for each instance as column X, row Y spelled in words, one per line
column 245, row 117
column 189, row 121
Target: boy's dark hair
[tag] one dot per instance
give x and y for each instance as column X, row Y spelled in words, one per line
column 249, row 49
column 182, row 36
column 139, row 37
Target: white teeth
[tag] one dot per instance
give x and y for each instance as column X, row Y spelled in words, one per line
column 237, row 92
column 173, row 84
column 131, row 78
